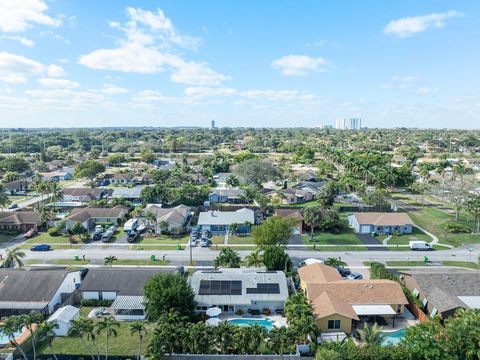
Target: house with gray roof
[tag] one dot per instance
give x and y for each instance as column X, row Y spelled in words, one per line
column 177, row 217
column 131, row 194
column 83, row 195
column 94, row 214
column 234, row 196
column 442, row 291
column 42, row 290
column 19, row 221
column 250, row 291
column 220, row 222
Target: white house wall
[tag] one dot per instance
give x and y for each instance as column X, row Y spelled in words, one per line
column 68, row 286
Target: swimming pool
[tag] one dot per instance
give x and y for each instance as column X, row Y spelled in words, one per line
column 4, row 340
column 393, row 337
column 266, row 323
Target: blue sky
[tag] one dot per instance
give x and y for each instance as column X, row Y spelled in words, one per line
column 243, row 63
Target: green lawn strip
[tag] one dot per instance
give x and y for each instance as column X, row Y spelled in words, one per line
column 71, row 262
column 165, row 239
column 311, row 203
column 440, row 247
column 217, row 239
column 54, row 246
column 241, row 240
column 154, row 247
column 416, row 235
column 122, row 344
column 236, row 248
column 45, row 238
column 464, row 264
column 141, row 262
column 338, row 248
column 346, row 238
column 406, row 263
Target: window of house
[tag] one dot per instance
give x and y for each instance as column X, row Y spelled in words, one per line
column 333, row 324
column 399, row 308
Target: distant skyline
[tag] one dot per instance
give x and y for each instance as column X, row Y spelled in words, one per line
column 68, row 63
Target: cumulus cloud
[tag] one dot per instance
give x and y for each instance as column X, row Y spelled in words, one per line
column 19, row 15
column 55, row 71
column 22, row 40
column 279, row 95
column 204, row 92
column 408, row 26
column 17, row 68
column 58, row 83
column 113, row 90
column 299, row 65
column 148, row 46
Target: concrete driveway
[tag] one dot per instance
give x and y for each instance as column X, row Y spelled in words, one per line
column 368, row 239
column 297, row 240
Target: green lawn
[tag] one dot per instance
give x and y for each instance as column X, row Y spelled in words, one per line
column 166, row 239
column 141, row 262
column 45, row 238
column 240, row 240
column 123, row 344
column 17, row 199
column 153, row 247
column 216, row 239
column 71, row 262
column 406, row 263
column 464, row 264
column 233, row 247
column 54, row 246
column 346, row 238
column 338, row 248
column 311, row 203
column 6, row 238
column 432, row 220
column 417, row 234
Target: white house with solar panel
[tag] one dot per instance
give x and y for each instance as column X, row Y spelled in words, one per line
column 219, row 222
column 251, row 291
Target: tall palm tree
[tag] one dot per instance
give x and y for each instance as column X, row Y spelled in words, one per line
column 56, row 192
column 150, row 218
column 109, row 260
column 138, row 328
column 371, row 335
column 108, row 325
column 312, row 217
column 335, row 262
column 279, row 340
column 31, row 321
column 10, row 326
column 254, row 259
column 45, row 215
column 46, row 330
column 223, row 337
column 13, row 257
column 81, row 327
column 227, row 258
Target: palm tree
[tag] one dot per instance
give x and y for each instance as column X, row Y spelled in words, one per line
column 10, row 326
column 335, row 262
column 109, row 260
column 4, row 200
column 45, row 215
column 81, row 328
column 223, row 337
column 227, row 258
column 234, row 228
column 197, row 339
column 371, row 335
column 29, row 320
column 459, row 170
column 150, row 218
column 55, row 192
column 163, row 226
column 254, row 259
column 13, row 257
column 46, row 331
column 107, row 325
column 138, row 327
column 279, row 340
column 312, row 217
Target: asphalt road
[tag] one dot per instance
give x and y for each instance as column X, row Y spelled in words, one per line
column 203, row 256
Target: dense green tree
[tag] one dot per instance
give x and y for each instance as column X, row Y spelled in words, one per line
column 88, row 169
column 275, row 258
column 227, row 258
column 116, row 159
column 256, row 172
column 275, row 230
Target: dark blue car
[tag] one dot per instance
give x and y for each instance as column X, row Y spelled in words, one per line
column 41, row 247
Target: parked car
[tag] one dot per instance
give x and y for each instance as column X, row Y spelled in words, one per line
column 31, row 233
column 205, row 242
column 179, row 270
column 13, row 206
column 343, row 272
column 310, row 261
column 98, row 228
column 133, row 236
column 355, row 276
column 131, row 224
column 193, row 242
column 41, row 247
column 107, row 236
column 113, row 229
column 141, row 228
column 420, row 246
column 97, row 236
column 206, row 233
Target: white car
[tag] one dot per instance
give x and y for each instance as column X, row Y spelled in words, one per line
column 310, row 262
column 420, row 246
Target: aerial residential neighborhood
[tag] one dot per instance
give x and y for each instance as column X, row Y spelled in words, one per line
column 193, row 180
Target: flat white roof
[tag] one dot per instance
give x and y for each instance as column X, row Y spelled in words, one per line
column 361, row 310
column 64, row 314
column 226, row 217
column 473, row 302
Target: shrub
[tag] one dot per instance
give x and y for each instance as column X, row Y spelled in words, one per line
column 454, row 227
column 95, row 303
column 53, row 231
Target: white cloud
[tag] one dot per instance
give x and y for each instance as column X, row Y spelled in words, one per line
column 113, row 90
column 401, row 82
column 19, row 15
column 279, row 95
column 22, row 40
column 425, row 90
column 299, row 65
column 147, row 48
column 17, row 69
column 408, row 26
column 58, row 83
column 205, row 92
column 55, row 71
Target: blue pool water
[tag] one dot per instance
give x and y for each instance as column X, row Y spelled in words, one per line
column 393, row 338
column 4, row 338
column 266, row 323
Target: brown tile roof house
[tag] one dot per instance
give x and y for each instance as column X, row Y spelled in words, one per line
column 338, row 303
column 381, row 222
column 89, row 215
column 20, row 221
column 176, row 217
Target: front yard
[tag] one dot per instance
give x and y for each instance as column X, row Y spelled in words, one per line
column 122, row 344
column 345, row 238
column 165, row 239
column 417, row 234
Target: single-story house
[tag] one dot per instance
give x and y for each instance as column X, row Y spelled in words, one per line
column 312, row 187
column 129, row 308
column 14, row 187
column 83, row 195
column 240, row 290
column 381, row 223
column 63, row 318
column 164, row 163
column 131, row 194
column 177, row 217
column 108, row 284
column 293, row 214
column 119, row 179
column 42, row 290
column 58, row 175
column 19, row 221
column 219, row 222
column 292, row 196
column 94, row 214
column 235, row 196
column 339, row 304
column 444, row 291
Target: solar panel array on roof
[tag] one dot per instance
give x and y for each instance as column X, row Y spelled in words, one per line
column 264, row 288
column 220, row 287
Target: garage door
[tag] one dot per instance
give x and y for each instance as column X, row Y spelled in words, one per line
column 364, row 229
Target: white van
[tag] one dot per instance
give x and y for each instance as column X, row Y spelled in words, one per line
column 420, row 245
column 310, row 262
column 131, row 224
